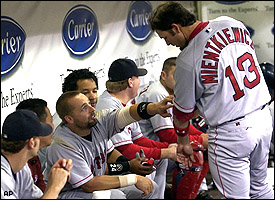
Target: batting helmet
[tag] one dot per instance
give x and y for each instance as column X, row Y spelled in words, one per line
column 268, row 72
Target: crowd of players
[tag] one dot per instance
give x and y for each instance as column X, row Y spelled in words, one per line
column 124, row 141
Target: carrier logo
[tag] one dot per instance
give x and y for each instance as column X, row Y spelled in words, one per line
column 80, row 30
column 12, row 44
column 138, row 20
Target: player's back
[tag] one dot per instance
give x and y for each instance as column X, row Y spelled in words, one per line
column 222, row 64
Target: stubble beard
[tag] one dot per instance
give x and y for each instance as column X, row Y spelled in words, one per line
column 93, row 123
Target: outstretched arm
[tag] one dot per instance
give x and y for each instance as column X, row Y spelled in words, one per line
column 144, row 110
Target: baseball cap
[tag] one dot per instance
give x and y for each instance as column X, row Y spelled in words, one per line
column 122, row 69
column 22, row 125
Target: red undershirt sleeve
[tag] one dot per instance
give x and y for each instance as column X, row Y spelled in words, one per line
column 169, row 135
column 145, row 142
column 129, row 151
column 193, row 130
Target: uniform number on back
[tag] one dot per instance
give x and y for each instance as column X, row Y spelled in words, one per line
column 251, row 69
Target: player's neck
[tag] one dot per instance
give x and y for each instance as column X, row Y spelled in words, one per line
column 17, row 160
column 78, row 131
column 122, row 96
column 187, row 30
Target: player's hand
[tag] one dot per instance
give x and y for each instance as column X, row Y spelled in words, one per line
column 173, row 145
column 58, row 176
column 64, row 163
column 137, row 167
column 185, row 152
column 144, row 184
column 161, row 107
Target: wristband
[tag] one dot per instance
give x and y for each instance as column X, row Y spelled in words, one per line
column 127, row 180
column 118, row 167
column 142, row 110
column 181, row 131
column 122, row 158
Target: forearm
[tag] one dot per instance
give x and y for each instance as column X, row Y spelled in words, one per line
column 103, row 182
column 183, row 140
column 180, row 124
column 168, row 153
column 150, row 109
column 112, row 157
column 143, row 110
column 51, row 192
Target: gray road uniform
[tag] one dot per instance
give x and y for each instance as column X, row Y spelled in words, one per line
column 89, row 157
column 128, row 135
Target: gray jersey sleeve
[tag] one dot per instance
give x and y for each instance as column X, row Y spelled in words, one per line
column 154, row 93
column 17, row 186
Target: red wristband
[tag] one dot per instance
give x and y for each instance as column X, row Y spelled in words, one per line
column 182, row 131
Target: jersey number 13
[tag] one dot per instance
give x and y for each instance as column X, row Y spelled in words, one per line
column 249, row 84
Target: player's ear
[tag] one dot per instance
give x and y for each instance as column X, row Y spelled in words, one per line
column 68, row 119
column 31, row 143
column 130, row 82
column 163, row 75
column 175, row 28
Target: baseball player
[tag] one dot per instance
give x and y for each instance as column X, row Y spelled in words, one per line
column 121, row 87
column 83, row 136
column 162, row 129
column 85, row 81
column 217, row 73
column 20, row 142
column 39, row 106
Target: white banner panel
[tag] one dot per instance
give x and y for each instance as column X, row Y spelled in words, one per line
column 46, row 58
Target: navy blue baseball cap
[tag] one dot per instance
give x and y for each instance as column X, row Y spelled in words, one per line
column 22, row 125
column 123, row 68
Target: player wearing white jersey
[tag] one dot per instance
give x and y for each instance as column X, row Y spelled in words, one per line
column 217, row 73
column 20, row 142
column 122, row 86
column 83, row 136
column 162, row 129
column 158, row 128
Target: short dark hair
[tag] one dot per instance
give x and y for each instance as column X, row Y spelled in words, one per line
column 36, row 105
column 70, row 82
column 168, row 63
column 168, row 13
column 62, row 106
